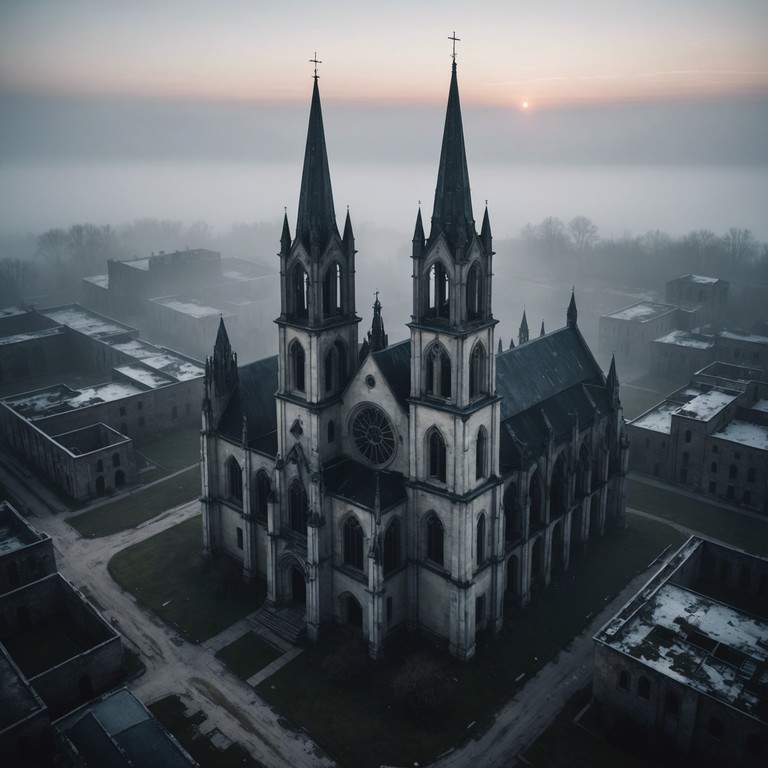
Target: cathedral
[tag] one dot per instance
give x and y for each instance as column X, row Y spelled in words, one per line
column 424, row 484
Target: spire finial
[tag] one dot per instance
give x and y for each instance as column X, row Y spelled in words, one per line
column 455, row 40
column 315, row 61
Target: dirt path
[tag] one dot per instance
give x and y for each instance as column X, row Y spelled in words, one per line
column 174, row 666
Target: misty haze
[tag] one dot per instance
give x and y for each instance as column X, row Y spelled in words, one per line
column 378, row 394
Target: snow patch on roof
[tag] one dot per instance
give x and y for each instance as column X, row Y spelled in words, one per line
column 85, row 322
column 642, row 311
column 745, row 433
column 658, row 419
column 706, row 405
column 149, row 378
column 189, row 307
column 685, row 339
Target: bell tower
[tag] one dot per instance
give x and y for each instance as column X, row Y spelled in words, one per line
column 454, row 409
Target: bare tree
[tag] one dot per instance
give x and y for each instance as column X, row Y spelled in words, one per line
column 53, row 247
column 583, row 233
column 551, row 235
column 16, row 277
column 740, row 246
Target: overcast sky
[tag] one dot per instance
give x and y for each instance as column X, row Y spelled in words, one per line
column 545, row 82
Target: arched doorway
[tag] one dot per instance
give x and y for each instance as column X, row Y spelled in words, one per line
column 298, row 586
column 353, row 612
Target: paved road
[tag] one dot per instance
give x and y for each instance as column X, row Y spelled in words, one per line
column 526, row 716
column 174, row 666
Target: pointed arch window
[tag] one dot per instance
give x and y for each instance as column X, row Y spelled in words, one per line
column 336, row 367
column 474, row 293
column 438, row 292
column 436, row 454
column 262, row 488
column 478, row 364
column 481, row 451
column 332, row 291
column 299, row 292
column 392, row 556
column 481, row 549
column 353, row 543
column 438, row 373
column 435, row 539
column 297, row 361
column 297, row 508
column 234, row 481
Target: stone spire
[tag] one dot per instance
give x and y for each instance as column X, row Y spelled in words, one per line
column 572, row 313
column 223, row 363
column 542, row 332
column 418, row 236
column 285, row 237
column 612, row 381
column 348, row 238
column 452, row 212
column 485, row 232
column 522, row 335
column 377, row 339
column 317, row 218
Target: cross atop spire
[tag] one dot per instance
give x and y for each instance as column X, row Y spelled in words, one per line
column 455, row 40
column 452, row 212
column 315, row 61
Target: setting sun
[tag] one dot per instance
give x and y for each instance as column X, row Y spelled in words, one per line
column 525, row 105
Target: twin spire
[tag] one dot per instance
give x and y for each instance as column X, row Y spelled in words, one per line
column 317, row 218
column 452, row 212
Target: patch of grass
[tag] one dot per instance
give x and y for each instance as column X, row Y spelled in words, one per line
column 174, row 451
column 170, row 711
column 743, row 531
column 128, row 511
column 247, row 655
column 167, row 574
column 368, row 727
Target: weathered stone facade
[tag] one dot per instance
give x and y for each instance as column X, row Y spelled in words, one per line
column 417, row 484
column 710, row 436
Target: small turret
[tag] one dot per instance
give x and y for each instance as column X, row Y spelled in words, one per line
column 418, row 237
column 223, row 363
column 377, row 338
column 348, row 238
column 612, row 382
column 285, row 238
column 485, row 233
column 522, row 334
column 572, row 313
column 542, row 332
column 501, row 347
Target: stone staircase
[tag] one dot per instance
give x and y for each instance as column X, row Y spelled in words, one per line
column 287, row 622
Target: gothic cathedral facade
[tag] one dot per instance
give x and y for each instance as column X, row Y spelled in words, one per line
column 422, row 484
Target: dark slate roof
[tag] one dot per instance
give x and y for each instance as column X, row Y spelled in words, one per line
column 545, row 383
column 544, row 367
column 254, row 398
column 355, row 482
column 395, row 365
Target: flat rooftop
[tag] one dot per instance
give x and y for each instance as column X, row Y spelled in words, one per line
column 684, row 635
column 164, row 360
column 190, row 307
column 699, row 279
column 15, row 532
column 658, row 419
column 101, row 280
column 60, row 398
column 706, row 405
column 89, row 323
column 752, row 338
column 29, row 336
column 145, row 376
column 745, row 433
column 685, row 339
column 643, row 311
column 18, row 699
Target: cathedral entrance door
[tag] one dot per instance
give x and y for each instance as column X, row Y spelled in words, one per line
column 298, row 586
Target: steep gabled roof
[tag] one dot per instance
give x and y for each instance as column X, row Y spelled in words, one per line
column 395, row 365
column 254, row 398
column 536, row 371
